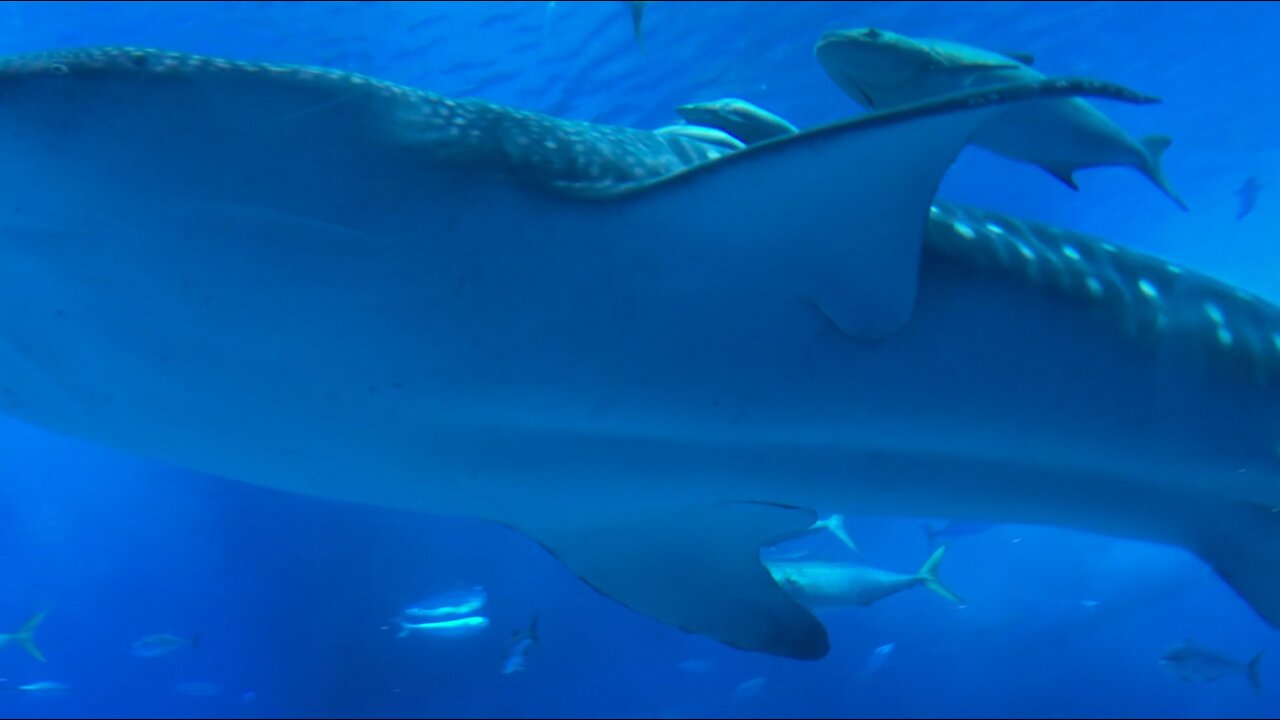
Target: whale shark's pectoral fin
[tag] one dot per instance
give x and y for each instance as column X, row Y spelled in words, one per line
column 697, row 568
column 1242, row 544
column 836, row 215
column 1065, row 175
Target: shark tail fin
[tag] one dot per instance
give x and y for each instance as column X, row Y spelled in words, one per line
column 835, row 526
column 1252, row 671
column 930, row 535
column 637, row 21
column 1155, row 145
column 26, row 636
column 929, row 575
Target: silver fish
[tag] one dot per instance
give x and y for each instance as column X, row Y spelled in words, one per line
column 1190, row 662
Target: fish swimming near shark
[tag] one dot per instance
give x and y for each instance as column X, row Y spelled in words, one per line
column 454, row 602
column 746, row 121
column 707, row 135
column 161, row 644
column 25, row 637
column 1248, row 195
column 881, row 69
column 1191, row 662
column 453, row 627
column 653, row 365
column 827, row 584
column 42, row 688
column 523, row 643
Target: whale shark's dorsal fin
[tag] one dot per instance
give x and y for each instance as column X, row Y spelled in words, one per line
column 850, row 200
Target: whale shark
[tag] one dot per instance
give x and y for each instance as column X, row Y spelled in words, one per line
column 651, row 364
column 879, row 68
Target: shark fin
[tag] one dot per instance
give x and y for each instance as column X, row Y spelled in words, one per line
column 697, row 568
column 1022, row 57
column 835, row 526
column 26, row 636
column 930, row 534
column 1064, row 175
column 637, row 21
column 1155, row 145
column 929, row 576
column 1242, row 544
column 877, row 172
column 1251, row 670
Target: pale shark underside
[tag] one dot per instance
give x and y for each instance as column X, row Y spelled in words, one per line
column 333, row 285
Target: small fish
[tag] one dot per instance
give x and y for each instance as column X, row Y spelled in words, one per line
column 706, row 135
column 1248, row 194
column 456, row 627
column 694, row 665
column 877, row 659
column 826, row 584
column 45, row 688
column 522, row 644
column 464, row 601
column 160, row 644
column 199, row 688
column 953, row 529
column 749, row 689
column 1189, row 662
column 26, row 636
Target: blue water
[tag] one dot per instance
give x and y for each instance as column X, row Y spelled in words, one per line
column 294, row 598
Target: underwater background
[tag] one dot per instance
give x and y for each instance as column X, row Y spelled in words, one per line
column 293, row 597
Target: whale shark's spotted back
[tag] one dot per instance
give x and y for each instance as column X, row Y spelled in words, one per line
column 574, row 157
column 1153, row 301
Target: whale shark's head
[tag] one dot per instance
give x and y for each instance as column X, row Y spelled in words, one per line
column 879, row 68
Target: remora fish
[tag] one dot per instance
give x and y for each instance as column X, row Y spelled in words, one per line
column 708, row 135
column 880, row 69
column 745, row 121
column 329, row 284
